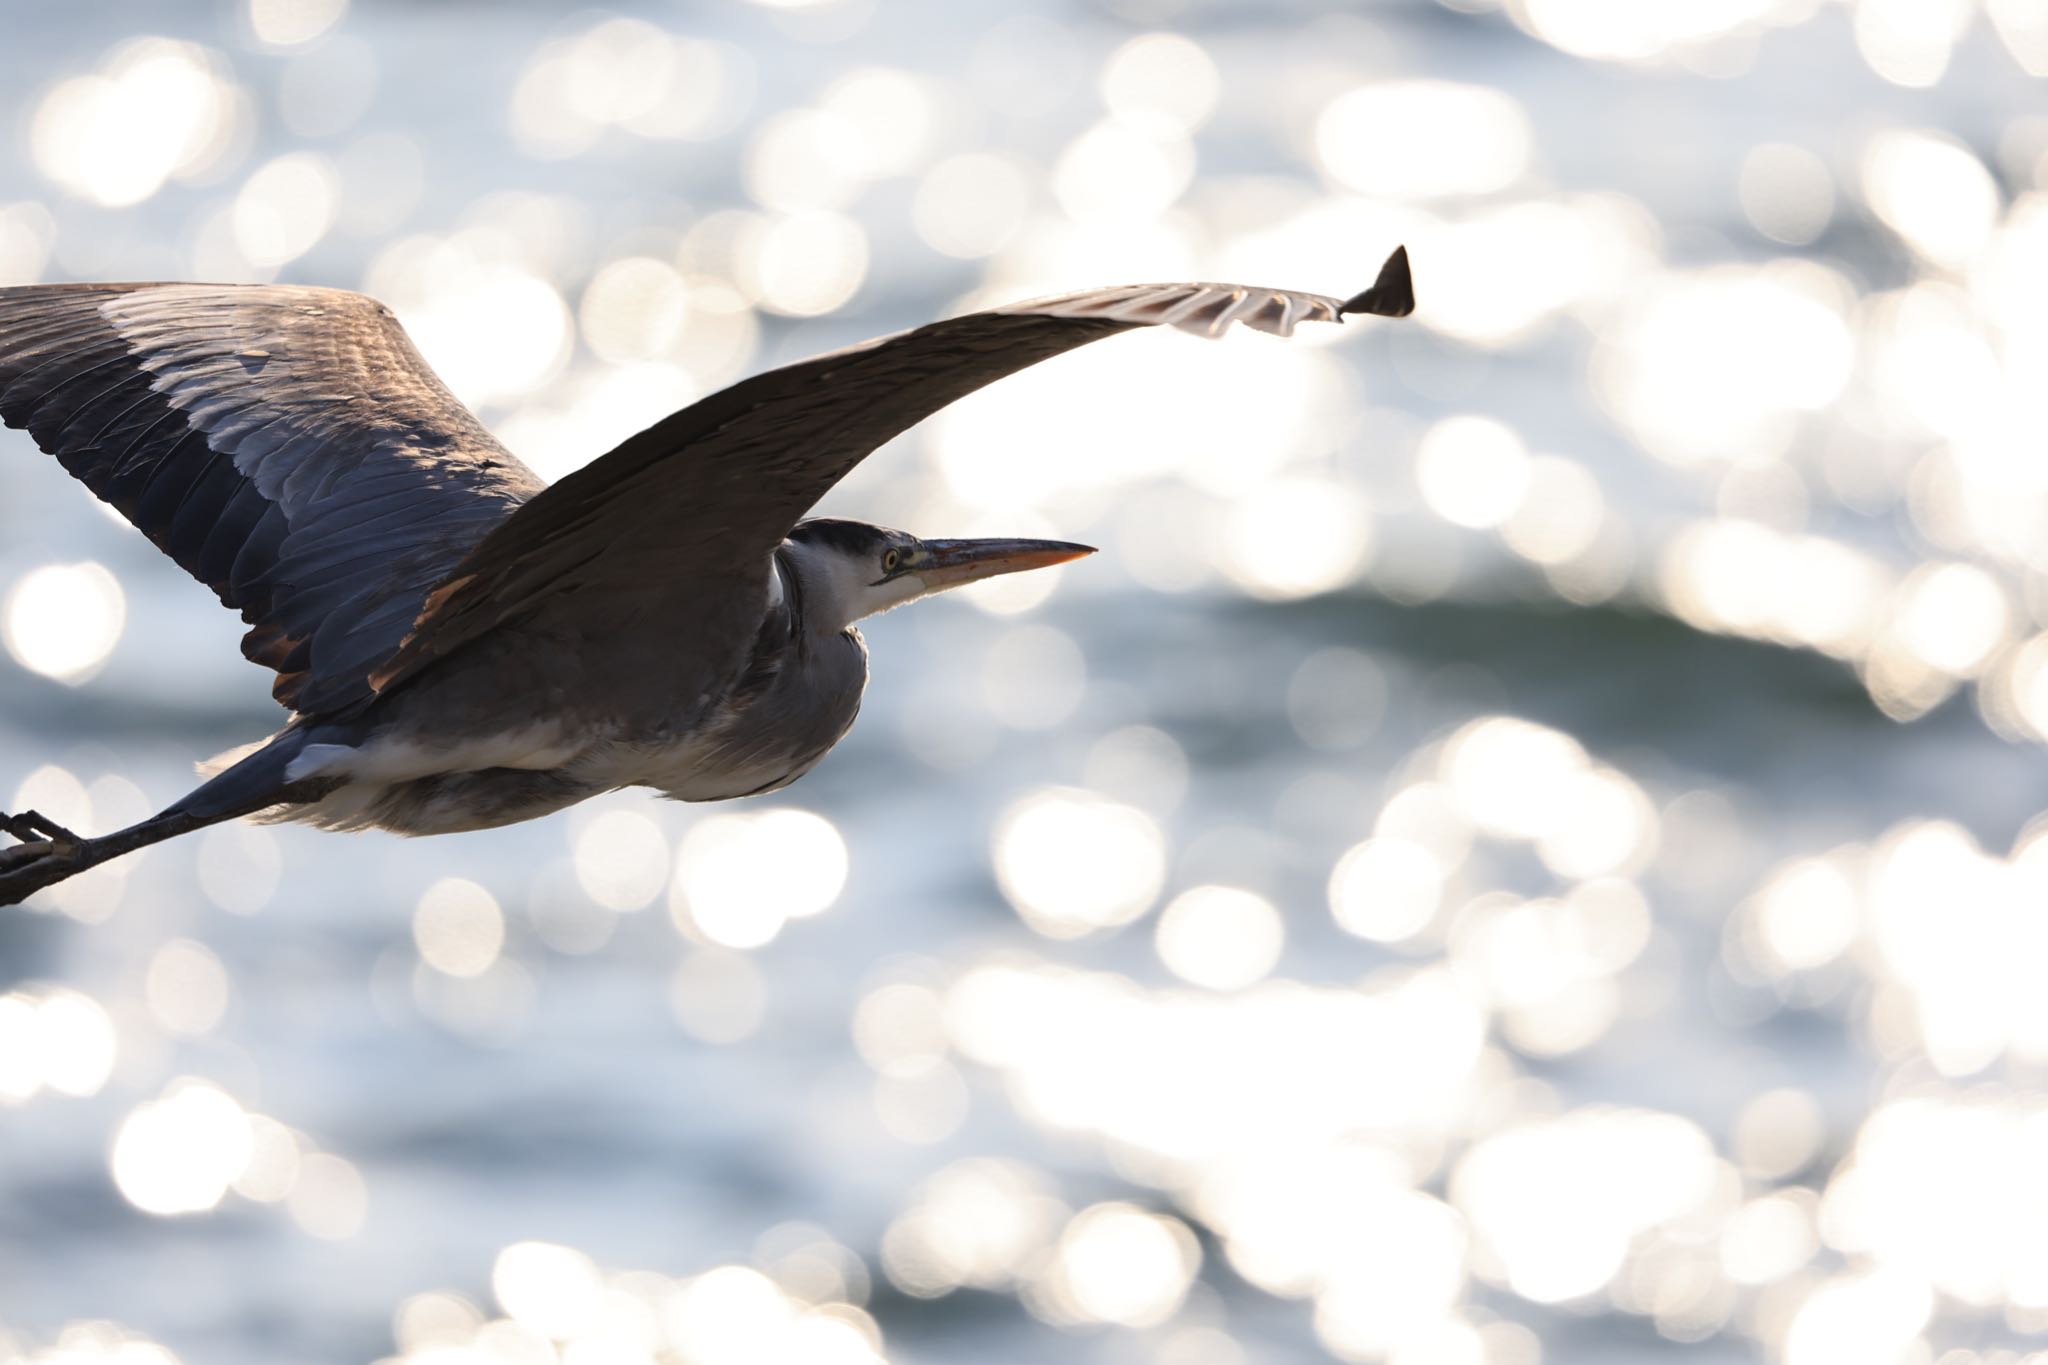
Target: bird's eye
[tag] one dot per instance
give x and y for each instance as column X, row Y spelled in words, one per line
column 891, row 560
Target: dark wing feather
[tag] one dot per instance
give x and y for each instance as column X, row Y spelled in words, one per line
column 675, row 526
column 288, row 447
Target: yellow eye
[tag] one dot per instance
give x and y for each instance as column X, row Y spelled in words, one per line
column 891, row 560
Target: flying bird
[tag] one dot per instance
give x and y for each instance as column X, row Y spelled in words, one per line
column 458, row 644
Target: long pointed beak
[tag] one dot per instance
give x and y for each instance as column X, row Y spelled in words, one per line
column 951, row 563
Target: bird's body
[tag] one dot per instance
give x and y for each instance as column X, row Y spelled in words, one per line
column 400, row 769
column 462, row 646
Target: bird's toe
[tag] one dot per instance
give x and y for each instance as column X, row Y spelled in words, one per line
column 23, row 854
column 27, row 868
column 32, row 827
column 47, row 853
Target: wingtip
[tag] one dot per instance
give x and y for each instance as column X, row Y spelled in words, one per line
column 1392, row 295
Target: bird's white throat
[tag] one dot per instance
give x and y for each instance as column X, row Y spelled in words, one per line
column 838, row 589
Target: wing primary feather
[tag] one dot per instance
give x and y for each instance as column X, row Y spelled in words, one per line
column 139, row 441
column 62, row 402
column 1243, row 303
column 1202, row 319
column 48, row 344
column 142, row 399
column 164, row 486
column 197, row 512
column 1392, row 295
column 213, row 561
column 253, row 562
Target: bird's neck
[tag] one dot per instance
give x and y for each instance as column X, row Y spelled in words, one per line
column 811, row 591
column 826, row 591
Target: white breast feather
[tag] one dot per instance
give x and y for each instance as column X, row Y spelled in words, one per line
column 402, row 760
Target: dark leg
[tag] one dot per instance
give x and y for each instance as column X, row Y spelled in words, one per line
column 36, row 863
column 48, row 853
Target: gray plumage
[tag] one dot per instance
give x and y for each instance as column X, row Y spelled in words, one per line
column 460, row 645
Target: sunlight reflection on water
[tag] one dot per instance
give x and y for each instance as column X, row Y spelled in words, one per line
column 1468, row 994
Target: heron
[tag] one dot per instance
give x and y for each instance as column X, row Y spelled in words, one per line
column 460, row 645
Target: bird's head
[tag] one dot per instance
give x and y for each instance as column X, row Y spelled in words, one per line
column 849, row 569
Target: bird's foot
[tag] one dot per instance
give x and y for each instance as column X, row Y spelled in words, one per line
column 47, row 853
column 34, row 827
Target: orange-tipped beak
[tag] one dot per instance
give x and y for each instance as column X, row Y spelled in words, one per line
column 950, row 563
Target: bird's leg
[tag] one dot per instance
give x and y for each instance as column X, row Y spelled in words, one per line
column 49, row 853
column 40, row 862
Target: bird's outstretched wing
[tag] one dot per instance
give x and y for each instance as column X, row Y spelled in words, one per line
column 673, row 527
column 288, row 447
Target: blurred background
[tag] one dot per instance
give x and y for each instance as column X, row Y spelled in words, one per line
column 1524, row 846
